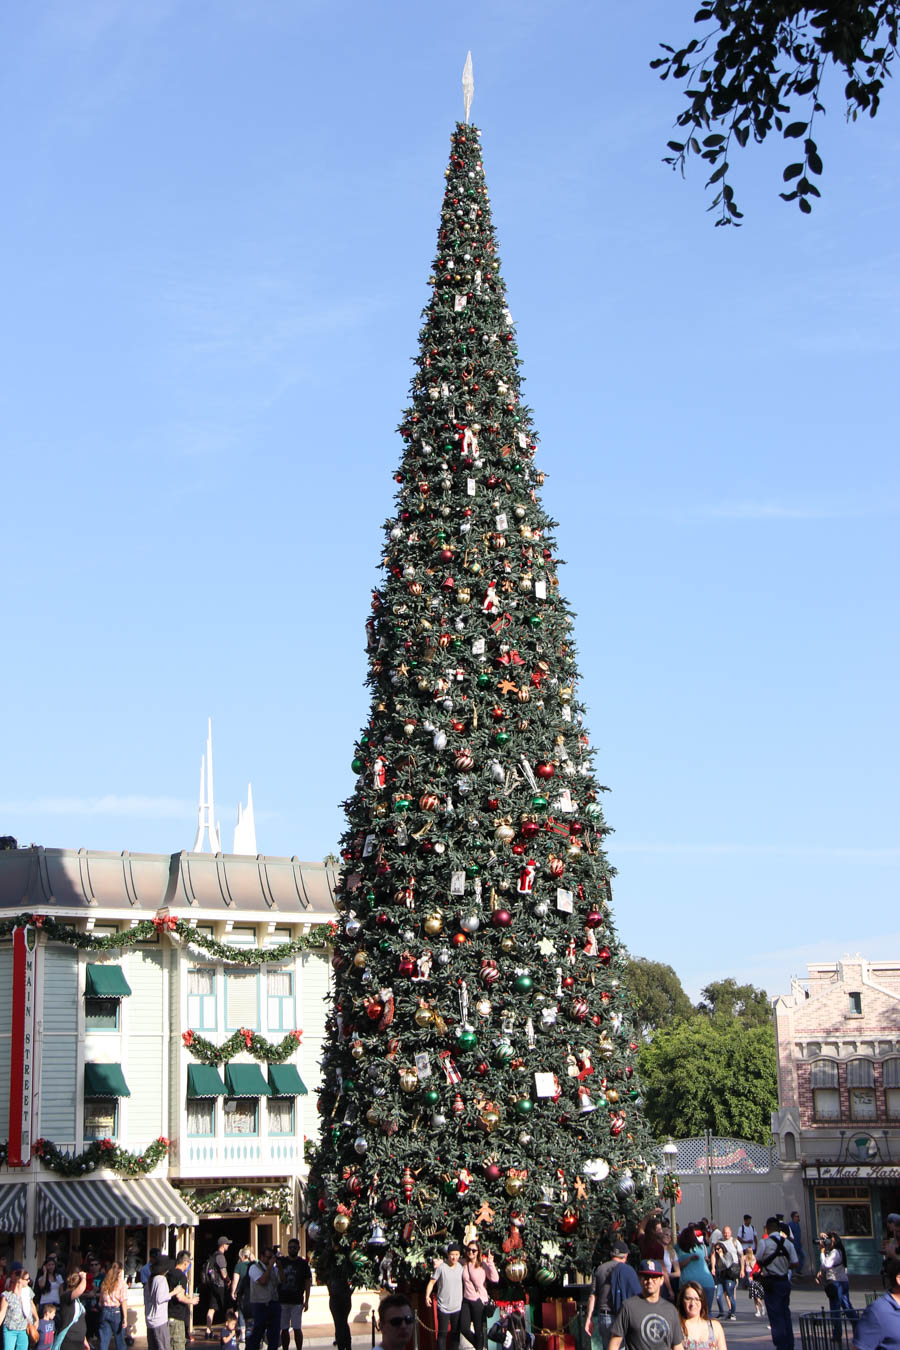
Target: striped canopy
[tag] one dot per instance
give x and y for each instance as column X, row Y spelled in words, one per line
column 108, row 1204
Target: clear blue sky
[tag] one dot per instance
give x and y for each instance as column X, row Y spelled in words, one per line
column 217, row 228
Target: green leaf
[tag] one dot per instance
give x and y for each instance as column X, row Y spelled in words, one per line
column 796, row 130
column 675, row 145
column 805, row 206
column 792, row 171
column 815, row 163
column 713, row 140
column 719, row 173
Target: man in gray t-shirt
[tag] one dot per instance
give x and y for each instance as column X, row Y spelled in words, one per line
column 647, row 1322
column 446, row 1286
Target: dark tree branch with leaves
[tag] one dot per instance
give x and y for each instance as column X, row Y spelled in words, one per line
column 760, row 68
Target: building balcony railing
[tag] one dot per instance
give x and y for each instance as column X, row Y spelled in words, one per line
column 221, row 1158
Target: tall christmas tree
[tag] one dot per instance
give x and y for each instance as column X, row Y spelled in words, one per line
column 478, row 1072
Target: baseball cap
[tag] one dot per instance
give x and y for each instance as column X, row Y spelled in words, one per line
column 651, row 1268
column 620, row 1249
column 893, row 1218
column 223, row 1238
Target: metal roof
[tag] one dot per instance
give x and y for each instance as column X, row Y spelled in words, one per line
column 73, row 881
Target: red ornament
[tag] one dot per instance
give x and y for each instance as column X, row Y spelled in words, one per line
column 568, row 982
column 544, row 770
column 464, row 761
column 604, row 956
column 381, row 920
column 374, row 1009
column 529, row 829
column 594, row 919
column 388, row 1207
column 459, row 939
column 557, row 865
column 605, row 996
column 492, row 1172
column 498, row 714
column 406, row 966
column 354, row 1185
column 569, row 1221
column 492, row 803
column 482, row 1068
column 458, row 1106
column 576, row 828
column 490, row 971
column 518, row 849
column 407, row 1183
column 501, row 918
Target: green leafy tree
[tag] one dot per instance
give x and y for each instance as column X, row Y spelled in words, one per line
column 479, row 1059
column 710, row 1073
column 657, row 995
column 744, row 1002
column 757, row 68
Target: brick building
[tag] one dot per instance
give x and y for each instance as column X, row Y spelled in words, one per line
column 838, row 1124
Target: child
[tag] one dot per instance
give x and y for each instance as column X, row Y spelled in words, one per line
column 229, row 1331
column 46, row 1327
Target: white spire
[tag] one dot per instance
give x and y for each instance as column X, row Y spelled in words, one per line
column 468, row 84
column 206, row 812
column 245, row 829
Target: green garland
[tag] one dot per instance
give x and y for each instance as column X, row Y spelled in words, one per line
column 148, row 930
column 241, row 1200
column 239, row 1043
column 103, row 1153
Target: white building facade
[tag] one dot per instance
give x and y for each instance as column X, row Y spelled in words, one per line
column 160, row 1037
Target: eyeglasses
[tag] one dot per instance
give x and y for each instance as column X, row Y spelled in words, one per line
column 471, row 1249
column 400, row 1321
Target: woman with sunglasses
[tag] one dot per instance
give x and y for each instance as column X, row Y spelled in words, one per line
column 478, row 1268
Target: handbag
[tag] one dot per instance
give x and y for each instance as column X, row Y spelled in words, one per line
column 33, row 1331
column 490, row 1307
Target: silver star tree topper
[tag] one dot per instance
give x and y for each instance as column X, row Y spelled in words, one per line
column 468, row 84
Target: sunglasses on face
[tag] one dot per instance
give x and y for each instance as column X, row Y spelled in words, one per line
column 399, row 1321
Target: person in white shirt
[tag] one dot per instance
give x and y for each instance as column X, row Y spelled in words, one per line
column 726, row 1268
column 746, row 1233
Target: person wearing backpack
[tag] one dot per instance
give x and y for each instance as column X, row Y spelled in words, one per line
column 215, row 1278
column 599, row 1311
column 776, row 1257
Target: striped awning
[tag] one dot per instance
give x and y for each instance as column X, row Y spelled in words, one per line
column 12, row 1207
column 108, row 1204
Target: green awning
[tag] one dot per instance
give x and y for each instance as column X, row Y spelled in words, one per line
column 285, row 1081
column 105, row 1080
column 246, row 1080
column 204, row 1081
column 106, row 982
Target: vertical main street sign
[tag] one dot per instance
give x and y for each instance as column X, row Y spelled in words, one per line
column 21, row 1066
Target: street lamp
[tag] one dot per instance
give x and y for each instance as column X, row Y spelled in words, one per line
column 670, row 1153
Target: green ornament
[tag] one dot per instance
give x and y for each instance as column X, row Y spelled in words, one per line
column 472, row 870
column 432, row 1096
column 503, row 1052
column 402, row 804
column 357, row 765
column 523, row 983
column 544, row 1275
column 466, row 1039
column 523, row 1106
column 370, row 896
column 364, row 740
column 483, row 680
column 540, row 803
column 501, row 737
column 536, row 620
column 358, row 1260
column 384, row 945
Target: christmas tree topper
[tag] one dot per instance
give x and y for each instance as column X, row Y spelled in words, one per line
column 468, row 84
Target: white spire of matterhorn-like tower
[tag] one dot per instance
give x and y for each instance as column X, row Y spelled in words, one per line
column 206, row 813
column 245, row 829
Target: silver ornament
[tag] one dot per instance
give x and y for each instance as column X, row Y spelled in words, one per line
column 470, row 923
column 442, row 957
column 542, row 909
column 361, row 1144
column 438, row 1120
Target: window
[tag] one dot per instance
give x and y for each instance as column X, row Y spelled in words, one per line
column 104, row 929
column 790, row 1147
column 277, row 937
column 100, row 1117
column 281, row 1115
column 241, row 1000
column 201, row 998
column 891, row 1075
column 101, row 1014
column 854, row 1002
column 823, row 1079
column 280, row 991
column 240, row 937
column 201, row 1116
column 846, row 1209
column 861, row 1085
column 241, row 1115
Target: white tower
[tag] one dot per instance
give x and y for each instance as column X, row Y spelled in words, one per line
column 206, row 814
column 245, row 829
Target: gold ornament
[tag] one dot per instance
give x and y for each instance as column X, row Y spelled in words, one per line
column 423, row 1016
column 409, row 1080
column 341, row 1223
column 514, row 1186
column 357, row 1049
column 359, row 960
column 434, row 923
column 508, row 943
column 489, row 1119
column 516, row 1269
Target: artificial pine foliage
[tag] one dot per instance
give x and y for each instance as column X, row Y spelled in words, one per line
column 478, row 1072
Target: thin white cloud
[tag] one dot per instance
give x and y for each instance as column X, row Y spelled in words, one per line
column 803, row 853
